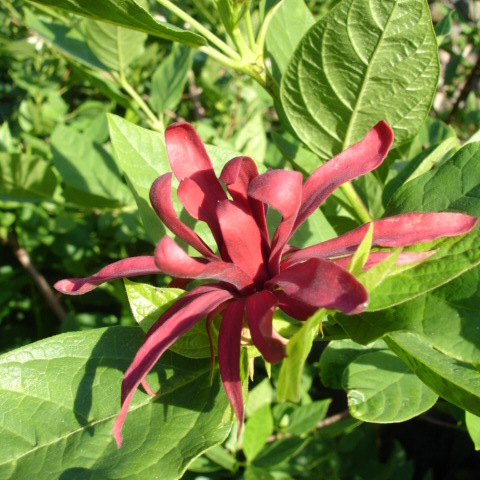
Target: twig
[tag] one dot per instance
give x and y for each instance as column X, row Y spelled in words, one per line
column 194, row 91
column 439, row 423
column 26, row 262
column 326, row 422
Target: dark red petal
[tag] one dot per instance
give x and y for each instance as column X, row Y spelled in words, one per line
column 242, row 240
column 190, row 162
column 161, row 200
column 281, row 190
column 398, row 231
column 128, row 267
column 322, row 284
column 405, row 258
column 229, row 338
column 200, row 205
column 237, row 175
column 259, row 310
column 172, row 260
column 357, row 160
column 155, row 344
column 293, row 306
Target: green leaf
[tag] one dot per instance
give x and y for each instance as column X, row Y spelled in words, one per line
column 279, row 451
column 26, row 178
column 455, row 381
column 298, row 348
column 148, row 303
column 362, row 253
column 338, row 355
column 454, row 185
column 91, row 174
column 69, row 40
column 259, row 396
column 382, row 389
column 142, row 156
column 127, row 13
column 257, row 430
column 360, row 63
column 116, row 47
column 75, row 379
column 287, row 27
column 449, row 317
column 168, row 80
column 473, row 426
column 305, row 418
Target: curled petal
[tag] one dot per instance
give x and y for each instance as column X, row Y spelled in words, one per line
column 229, row 338
column 259, row 310
column 237, row 176
column 405, row 258
column 359, row 159
column 129, row 267
column 190, row 162
column 293, row 306
column 281, row 190
column 172, row 260
column 156, row 343
column 161, row 200
column 242, row 240
column 322, row 284
column 398, row 231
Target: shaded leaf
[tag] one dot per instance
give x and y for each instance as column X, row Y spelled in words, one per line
column 127, row 13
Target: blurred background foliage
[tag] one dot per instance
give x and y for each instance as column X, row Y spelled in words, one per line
column 60, row 219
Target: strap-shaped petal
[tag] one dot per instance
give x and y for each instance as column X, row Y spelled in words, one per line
column 128, row 267
column 374, row 258
column 322, row 284
column 229, row 338
column 242, row 240
column 161, row 200
column 173, row 260
column 237, row 176
column 194, row 309
column 398, row 231
column 259, row 311
column 293, row 306
column 190, row 163
column 353, row 162
column 281, row 190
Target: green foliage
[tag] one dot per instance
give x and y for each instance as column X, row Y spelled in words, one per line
column 73, row 379
column 351, row 68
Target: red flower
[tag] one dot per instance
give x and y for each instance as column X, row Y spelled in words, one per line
column 253, row 274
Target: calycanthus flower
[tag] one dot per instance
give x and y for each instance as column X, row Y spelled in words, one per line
column 254, row 274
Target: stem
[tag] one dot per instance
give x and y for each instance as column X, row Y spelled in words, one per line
column 262, row 34
column 356, row 202
column 249, row 26
column 220, row 44
column 24, row 259
column 153, row 120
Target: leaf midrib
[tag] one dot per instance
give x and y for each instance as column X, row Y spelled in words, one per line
column 356, row 107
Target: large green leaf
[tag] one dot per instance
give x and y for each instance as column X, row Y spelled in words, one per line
column 288, row 25
column 116, row 47
column 455, row 381
column 127, row 13
column 454, row 185
column 380, row 387
column 59, row 398
column 26, row 178
column 360, row 63
column 89, row 171
column 449, row 317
